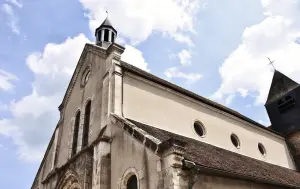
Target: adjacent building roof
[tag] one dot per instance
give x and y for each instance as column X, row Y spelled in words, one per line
column 281, row 85
column 224, row 161
column 144, row 74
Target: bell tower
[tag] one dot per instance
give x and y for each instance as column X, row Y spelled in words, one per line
column 105, row 34
column 283, row 104
column 283, row 107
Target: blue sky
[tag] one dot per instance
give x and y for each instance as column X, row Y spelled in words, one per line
column 215, row 48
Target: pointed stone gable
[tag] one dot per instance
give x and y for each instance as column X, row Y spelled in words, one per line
column 281, row 84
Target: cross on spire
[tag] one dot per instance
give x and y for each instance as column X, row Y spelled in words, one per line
column 106, row 14
column 272, row 63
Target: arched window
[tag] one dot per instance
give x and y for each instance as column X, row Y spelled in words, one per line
column 75, row 133
column 132, row 183
column 85, row 134
column 87, row 76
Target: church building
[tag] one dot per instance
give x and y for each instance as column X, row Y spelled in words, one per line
column 123, row 128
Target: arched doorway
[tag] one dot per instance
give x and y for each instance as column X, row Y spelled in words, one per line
column 130, row 179
column 132, row 183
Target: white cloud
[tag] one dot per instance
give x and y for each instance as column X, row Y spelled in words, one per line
column 229, row 99
column 246, row 70
column 3, row 147
column 183, row 39
column 15, row 3
column 52, row 70
column 6, row 129
column 13, row 20
column 248, row 106
column 6, row 80
column 135, row 57
column 185, row 57
column 138, row 19
column 174, row 72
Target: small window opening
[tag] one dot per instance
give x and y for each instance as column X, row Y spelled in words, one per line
column 235, row 141
column 113, row 37
column 199, row 129
column 75, row 133
column 99, row 35
column 106, row 31
column 86, row 126
column 87, row 76
column 262, row 149
column 132, row 183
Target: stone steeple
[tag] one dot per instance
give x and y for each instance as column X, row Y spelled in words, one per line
column 105, row 34
column 283, row 107
column 281, row 85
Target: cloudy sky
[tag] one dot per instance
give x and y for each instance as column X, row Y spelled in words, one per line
column 215, row 48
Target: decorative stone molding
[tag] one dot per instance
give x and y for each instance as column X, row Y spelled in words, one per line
column 86, row 71
column 69, row 181
column 127, row 174
column 94, row 49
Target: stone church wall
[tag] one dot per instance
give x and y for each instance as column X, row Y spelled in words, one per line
column 47, row 167
column 159, row 106
column 77, row 101
column 129, row 156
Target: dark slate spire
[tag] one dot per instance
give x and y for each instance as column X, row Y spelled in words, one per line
column 281, row 85
column 106, row 24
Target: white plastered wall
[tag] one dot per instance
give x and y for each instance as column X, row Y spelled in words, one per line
column 161, row 107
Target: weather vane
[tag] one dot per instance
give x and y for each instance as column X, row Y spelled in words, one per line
column 106, row 14
column 271, row 62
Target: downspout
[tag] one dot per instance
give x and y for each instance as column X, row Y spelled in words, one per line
column 193, row 172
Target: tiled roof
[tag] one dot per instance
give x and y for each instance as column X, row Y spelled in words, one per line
column 221, row 160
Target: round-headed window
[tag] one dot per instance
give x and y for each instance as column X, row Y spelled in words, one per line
column 262, row 149
column 87, row 76
column 199, row 129
column 235, row 140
